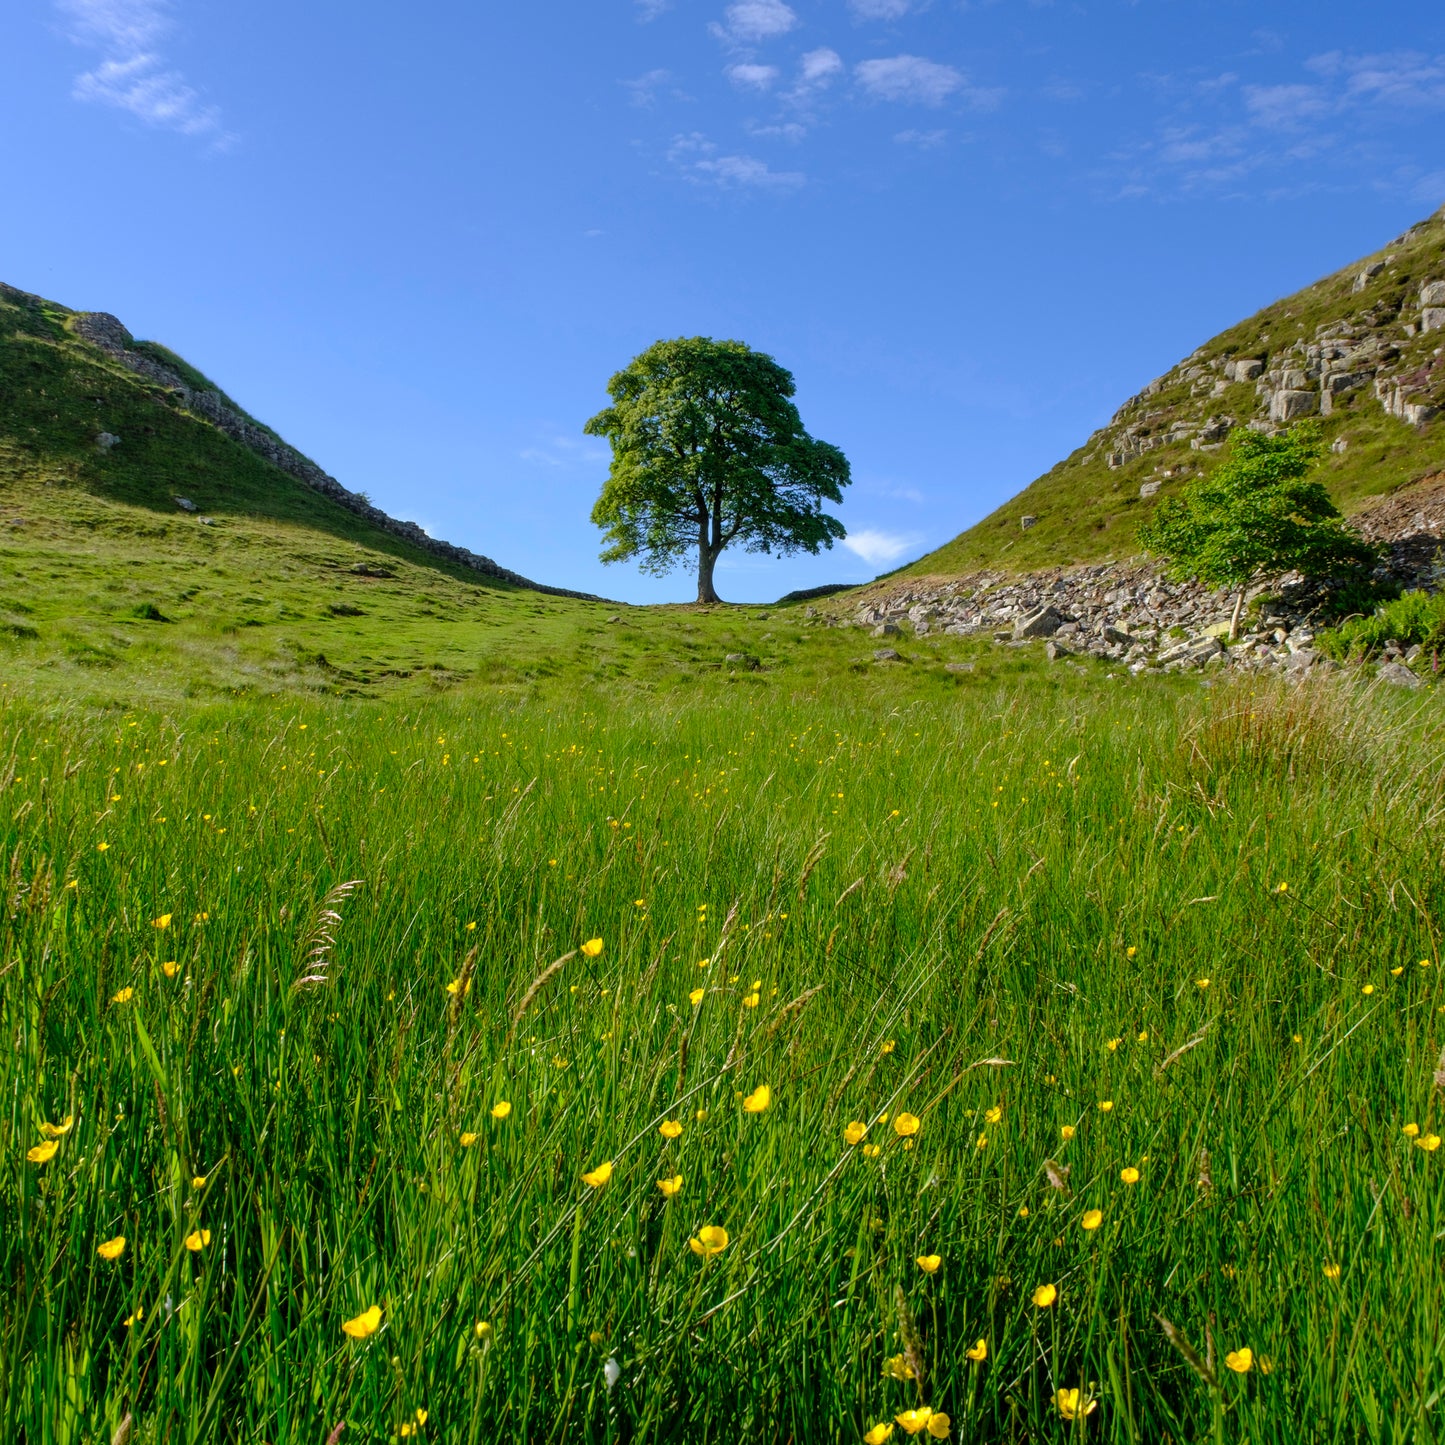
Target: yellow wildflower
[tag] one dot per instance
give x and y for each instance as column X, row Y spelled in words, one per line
column 854, row 1131
column 1045, row 1295
column 710, row 1240
column 1092, row 1219
column 197, row 1240
column 43, row 1153
column 993, row 1115
column 1129, row 1175
column 1428, row 1142
column 1332, row 1271
column 598, row 1176
column 905, row 1124
column 1105, row 1105
column 758, row 1100
column 1067, row 1132
column 889, row 1045
column 592, row 948
column 669, row 1128
column 112, row 1248
column 170, row 969
column 123, row 995
column 164, row 921
column 1074, row 1404
column 896, row 1367
column 501, row 1109
column 697, row 996
column 365, row 1324
column 1241, row 1361
column 1202, row 982
column 1143, row 1037
column 914, row 1421
column 878, row 1434
column 1410, row 1131
column 929, row 1263
column 938, row 1425
column 979, row 1352
column 467, row 1140
column 458, row 986
column 57, row 1131
column 132, row 1318
column 1369, row 988
column 751, row 1001
column 670, row 1187
column 198, row 1181
column 872, row 1151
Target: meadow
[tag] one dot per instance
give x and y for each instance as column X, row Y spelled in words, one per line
column 998, row 1064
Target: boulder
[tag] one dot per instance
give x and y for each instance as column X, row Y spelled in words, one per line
column 887, row 654
column 1251, row 368
column 1432, row 293
column 106, row 440
column 185, row 504
column 1289, row 405
column 1148, row 489
column 887, row 629
column 1055, row 650
column 1398, row 675
column 742, row 659
column 1042, row 622
column 1026, row 522
column 1366, row 276
column 1432, row 318
column 958, row 666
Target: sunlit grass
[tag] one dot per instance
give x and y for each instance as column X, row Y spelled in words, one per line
column 929, row 1053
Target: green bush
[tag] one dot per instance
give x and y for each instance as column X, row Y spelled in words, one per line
column 1410, row 618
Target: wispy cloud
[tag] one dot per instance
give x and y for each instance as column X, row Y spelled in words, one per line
column 646, row 88
column 1223, row 133
column 696, row 158
column 651, row 9
column 924, row 139
column 751, row 76
column 133, row 75
column 877, row 548
column 881, row 9
column 756, row 20
column 912, row 80
column 556, row 450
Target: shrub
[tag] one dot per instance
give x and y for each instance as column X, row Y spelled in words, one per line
column 1413, row 617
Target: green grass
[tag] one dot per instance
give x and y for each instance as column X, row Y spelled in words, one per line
column 1413, row 618
column 1088, row 513
column 915, row 888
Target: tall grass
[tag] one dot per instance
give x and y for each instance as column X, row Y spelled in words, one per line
column 279, row 971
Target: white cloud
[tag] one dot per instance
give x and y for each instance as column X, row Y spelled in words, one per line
column 1286, row 107
column 909, row 78
column 644, row 89
column 880, row 9
column 752, row 76
column 877, row 548
column 133, row 76
column 820, row 66
column 651, row 9
column 757, row 20
column 923, row 139
column 696, row 157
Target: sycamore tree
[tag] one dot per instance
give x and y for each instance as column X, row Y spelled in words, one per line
column 708, row 450
column 1257, row 514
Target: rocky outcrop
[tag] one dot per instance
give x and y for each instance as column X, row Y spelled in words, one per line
column 108, row 334
column 1133, row 615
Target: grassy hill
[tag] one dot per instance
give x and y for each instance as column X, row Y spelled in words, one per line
column 1353, row 334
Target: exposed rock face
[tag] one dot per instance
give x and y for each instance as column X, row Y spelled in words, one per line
column 110, row 336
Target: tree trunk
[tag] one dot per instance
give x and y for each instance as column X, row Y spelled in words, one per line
column 1234, row 621
column 706, row 561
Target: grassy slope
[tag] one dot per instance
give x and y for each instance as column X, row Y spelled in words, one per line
column 1088, row 513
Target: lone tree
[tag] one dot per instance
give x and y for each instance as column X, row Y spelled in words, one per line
column 1254, row 515
column 707, row 450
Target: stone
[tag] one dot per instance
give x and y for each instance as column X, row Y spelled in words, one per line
column 1432, row 319
column 958, row 666
column 1250, row 368
column 1115, row 638
column 887, row 629
column 101, row 329
column 742, row 659
column 185, row 504
column 1055, row 650
column 1340, row 446
column 1397, row 675
column 106, row 440
column 612, row 619
column 1366, row 276
column 371, row 569
column 1432, row 293
column 1289, row 405
column 1043, row 622
column 1025, row 522
column 1148, row 489
column 887, row 654
column 1295, row 379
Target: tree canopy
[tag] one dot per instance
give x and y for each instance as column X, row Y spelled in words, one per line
column 1256, row 513
column 708, row 450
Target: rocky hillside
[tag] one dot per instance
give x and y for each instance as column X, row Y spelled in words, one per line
column 1362, row 350
column 83, row 404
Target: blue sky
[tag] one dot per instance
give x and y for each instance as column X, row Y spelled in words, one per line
column 417, row 239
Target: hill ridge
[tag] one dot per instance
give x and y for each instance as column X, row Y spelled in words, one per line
column 197, row 395
column 1360, row 350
